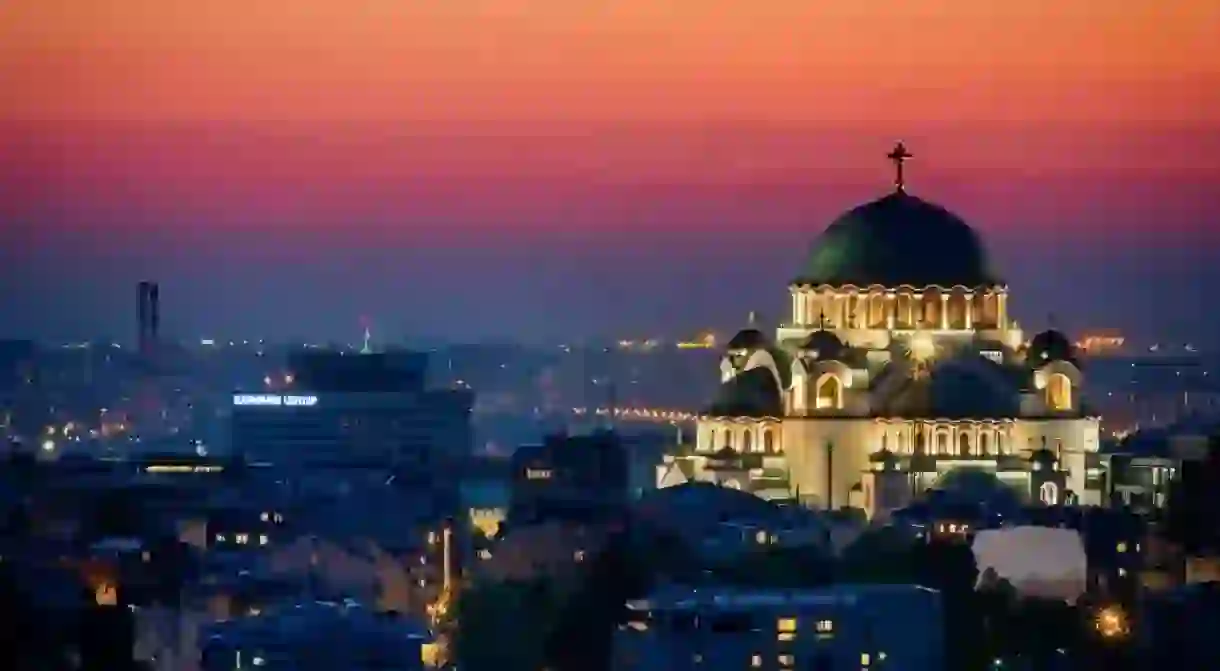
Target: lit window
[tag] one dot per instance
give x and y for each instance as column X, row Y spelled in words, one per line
column 264, row 517
column 756, row 661
column 1122, row 572
column 786, row 660
column 263, row 540
column 760, row 537
column 259, row 661
column 538, row 474
column 1122, row 547
column 579, row 555
column 825, row 626
column 786, row 624
column 278, row 518
column 865, row 659
column 484, row 554
column 242, row 539
column 220, row 538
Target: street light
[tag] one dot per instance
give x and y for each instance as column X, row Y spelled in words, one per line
column 1112, row 623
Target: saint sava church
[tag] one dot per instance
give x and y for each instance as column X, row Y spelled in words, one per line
column 898, row 369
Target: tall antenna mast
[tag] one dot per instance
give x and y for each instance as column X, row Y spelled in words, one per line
column 366, row 347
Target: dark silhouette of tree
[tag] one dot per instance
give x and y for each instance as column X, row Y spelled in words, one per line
column 502, row 625
column 27, row 641
column 582, row 637
column 780, row 567
column 885, row 555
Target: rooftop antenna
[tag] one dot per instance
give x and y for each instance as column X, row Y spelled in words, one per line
column 899, row 156
column 367, row 347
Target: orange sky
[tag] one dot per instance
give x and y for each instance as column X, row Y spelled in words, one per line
column 801, row 60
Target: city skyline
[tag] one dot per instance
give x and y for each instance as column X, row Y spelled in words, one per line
column 434, row 166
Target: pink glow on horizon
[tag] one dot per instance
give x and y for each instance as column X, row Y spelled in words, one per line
column 561, row 117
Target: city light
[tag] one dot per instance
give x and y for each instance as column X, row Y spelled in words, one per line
column 1111, row 622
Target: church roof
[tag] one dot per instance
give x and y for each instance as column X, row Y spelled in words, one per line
column 751, row 393
column 824, row 345
column 1050, row 345
column 959, row 388
column 748, row 338
column 898, row 240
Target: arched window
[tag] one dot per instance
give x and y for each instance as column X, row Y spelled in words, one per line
column 829, row 393
column 999, row 443
column 1048, row 493
column 921, row 443
column 1059, row 392
column 728, row 439
column 983, row 443
column 963, row 444
column 902, row 442
column 747, row 441
column 768, row 441
column 884, row 440
column 942, row 443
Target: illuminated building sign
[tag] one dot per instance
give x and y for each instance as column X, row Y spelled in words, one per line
column 275, row 399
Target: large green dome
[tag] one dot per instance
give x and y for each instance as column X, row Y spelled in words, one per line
column 898, row 240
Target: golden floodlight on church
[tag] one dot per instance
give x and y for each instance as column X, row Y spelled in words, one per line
column 921, row 348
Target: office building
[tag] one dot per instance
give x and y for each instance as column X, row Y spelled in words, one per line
column 569, row 476
column 345, row 408
column 839, row 628
column 321, row 635
column 148, row 311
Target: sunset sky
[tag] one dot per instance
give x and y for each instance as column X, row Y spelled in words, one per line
column 543, row 168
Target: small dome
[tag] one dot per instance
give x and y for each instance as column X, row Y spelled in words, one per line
column 1043, row 458
column 898, row 240
column 748, row 339
column 1050, row 345
column 751, row 393
column 824, row 345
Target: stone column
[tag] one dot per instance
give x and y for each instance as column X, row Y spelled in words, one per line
column 944, row 311
column 1002, row 309
column 891, row 309
column 796, row 308
column 969, row 311
column 915, row 303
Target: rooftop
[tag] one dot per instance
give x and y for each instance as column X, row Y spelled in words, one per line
column 691, row 598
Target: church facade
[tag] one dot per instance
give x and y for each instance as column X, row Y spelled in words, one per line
column 898, row 365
